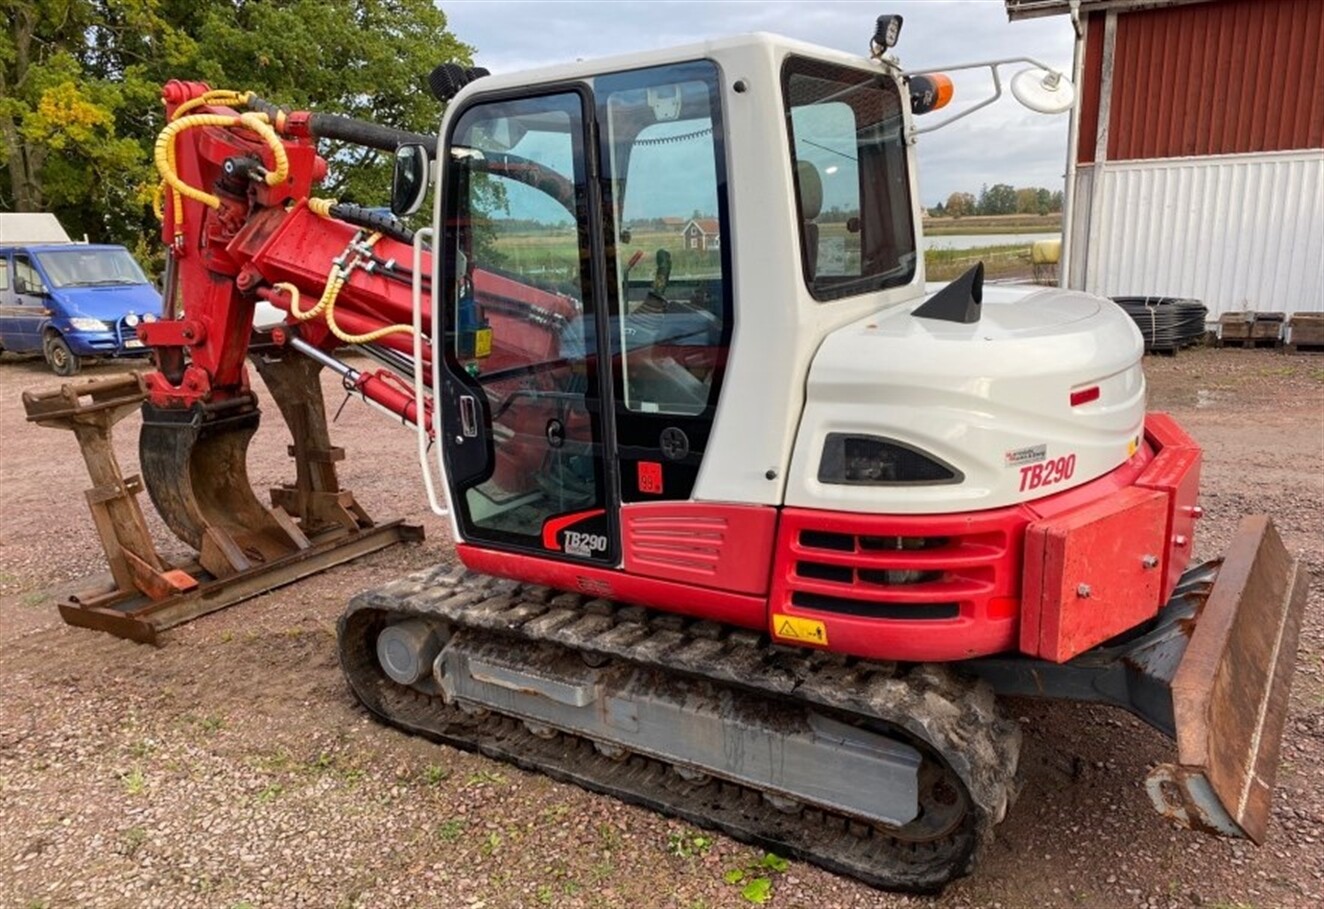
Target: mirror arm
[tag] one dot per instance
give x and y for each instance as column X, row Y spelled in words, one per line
column 992, row 65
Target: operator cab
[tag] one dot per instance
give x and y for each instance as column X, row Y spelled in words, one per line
column 591, row 280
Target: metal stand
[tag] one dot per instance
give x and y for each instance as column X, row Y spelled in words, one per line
column 313, row 524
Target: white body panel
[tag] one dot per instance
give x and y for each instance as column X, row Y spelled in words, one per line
column 31, row 229
column 971, row 395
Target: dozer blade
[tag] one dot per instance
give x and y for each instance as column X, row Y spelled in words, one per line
column 194, row 465
column 1230, row 691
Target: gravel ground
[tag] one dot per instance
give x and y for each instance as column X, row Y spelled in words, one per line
column 231, row 768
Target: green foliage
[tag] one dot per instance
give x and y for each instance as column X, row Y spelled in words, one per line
column 759, row 890
column 687, row 843
column 756, row 877
column 449, row 830
column 80, row 84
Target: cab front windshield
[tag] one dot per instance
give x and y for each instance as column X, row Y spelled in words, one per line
column 90, row 267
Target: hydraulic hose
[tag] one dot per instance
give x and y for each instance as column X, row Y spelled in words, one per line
column 344, row 129
column 1167, row 323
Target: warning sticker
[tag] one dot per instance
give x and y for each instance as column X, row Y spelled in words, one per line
column 801, row 631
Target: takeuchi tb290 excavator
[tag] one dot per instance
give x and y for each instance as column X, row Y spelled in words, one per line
column 755, row 528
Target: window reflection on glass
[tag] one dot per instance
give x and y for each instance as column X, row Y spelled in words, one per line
column 852, row 185
column 521, row 323
column 663, row 157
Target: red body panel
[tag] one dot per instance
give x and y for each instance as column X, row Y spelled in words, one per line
column 701, row 602
column 724, row 546
column 1086, row 574
column 1175, row 471
column 828, row 562
column 914, row 588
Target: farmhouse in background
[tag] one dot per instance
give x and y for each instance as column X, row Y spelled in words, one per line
column 703, row 234
column 1197, row 153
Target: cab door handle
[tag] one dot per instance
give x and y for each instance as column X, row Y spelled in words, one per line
column 468, row 416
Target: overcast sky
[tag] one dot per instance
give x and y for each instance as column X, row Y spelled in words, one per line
column 1004, row 143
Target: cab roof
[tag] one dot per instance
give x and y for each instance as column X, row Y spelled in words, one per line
column 772, row 45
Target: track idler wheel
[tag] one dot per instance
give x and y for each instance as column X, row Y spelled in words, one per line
column 194, row 465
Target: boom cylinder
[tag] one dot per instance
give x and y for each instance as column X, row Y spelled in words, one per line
column 372, row 385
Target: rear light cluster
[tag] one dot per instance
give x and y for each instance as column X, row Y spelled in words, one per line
column 856, row 460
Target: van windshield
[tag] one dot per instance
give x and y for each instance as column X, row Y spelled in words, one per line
column 81, row 267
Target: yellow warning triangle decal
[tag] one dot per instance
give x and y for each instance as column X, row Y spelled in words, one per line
column 787, row 630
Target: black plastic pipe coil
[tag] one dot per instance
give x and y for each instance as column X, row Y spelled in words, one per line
column 1166, row 323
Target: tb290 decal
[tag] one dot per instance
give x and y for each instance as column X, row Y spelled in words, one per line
column 1049, row 473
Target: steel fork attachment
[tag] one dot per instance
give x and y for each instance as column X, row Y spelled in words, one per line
column 194, row 466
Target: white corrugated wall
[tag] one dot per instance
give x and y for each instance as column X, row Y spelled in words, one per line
column 1239, row 232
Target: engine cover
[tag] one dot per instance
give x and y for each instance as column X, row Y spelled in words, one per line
column 992, row 399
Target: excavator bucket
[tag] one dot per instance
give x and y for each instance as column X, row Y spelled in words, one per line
column 194, row 466
column 1230, row 690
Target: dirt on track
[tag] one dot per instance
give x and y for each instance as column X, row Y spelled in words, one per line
column 231, row 767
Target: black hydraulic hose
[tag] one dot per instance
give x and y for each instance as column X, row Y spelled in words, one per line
column 348, row 129
column 373, row 219
column 1166, row 323
column 361, row 132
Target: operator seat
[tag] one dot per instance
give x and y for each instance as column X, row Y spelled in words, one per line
column 811, row 204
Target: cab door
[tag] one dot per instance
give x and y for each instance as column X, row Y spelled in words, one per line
column 521, row 393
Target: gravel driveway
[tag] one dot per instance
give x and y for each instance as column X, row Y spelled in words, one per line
column 231, row 768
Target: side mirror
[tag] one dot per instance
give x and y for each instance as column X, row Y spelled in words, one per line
column 21, row 285
column 409, row 183
column 1043, row 91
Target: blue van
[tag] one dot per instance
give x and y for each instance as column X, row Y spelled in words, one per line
column 73, row 300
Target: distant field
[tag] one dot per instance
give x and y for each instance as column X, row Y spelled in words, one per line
column 553, row 257
column 992, row 224
column 999, row 262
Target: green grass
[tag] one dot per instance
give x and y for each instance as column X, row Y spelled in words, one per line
column 999, row 261
column 134, row 782
column 450, row 830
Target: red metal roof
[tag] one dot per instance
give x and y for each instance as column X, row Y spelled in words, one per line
column 1214, row 78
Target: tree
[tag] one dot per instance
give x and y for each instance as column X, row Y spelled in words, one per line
column 1000, row 199
column 80, row 89
column 959, row 204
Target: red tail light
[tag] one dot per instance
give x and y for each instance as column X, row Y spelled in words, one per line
column 1084, row 396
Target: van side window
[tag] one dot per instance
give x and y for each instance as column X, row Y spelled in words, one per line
column 4, row 274
column 25, row 273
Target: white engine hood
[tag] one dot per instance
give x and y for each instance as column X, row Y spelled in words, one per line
column 987, row 398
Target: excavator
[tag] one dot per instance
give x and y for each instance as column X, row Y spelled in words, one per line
column 752, row 526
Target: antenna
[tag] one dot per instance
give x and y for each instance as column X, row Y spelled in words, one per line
column 1043, row 91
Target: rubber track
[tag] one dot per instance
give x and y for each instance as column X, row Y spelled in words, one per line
column 958, row 720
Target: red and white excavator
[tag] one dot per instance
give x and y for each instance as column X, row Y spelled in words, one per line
column 755, row 526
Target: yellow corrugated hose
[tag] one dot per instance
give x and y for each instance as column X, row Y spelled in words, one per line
column 326, row 306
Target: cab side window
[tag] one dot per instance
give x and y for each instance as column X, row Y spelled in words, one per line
column 663, row 151
column 4, row 274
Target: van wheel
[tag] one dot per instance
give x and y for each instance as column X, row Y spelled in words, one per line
column 60, row 357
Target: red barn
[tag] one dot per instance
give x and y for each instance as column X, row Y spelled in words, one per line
column 1196, row 161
